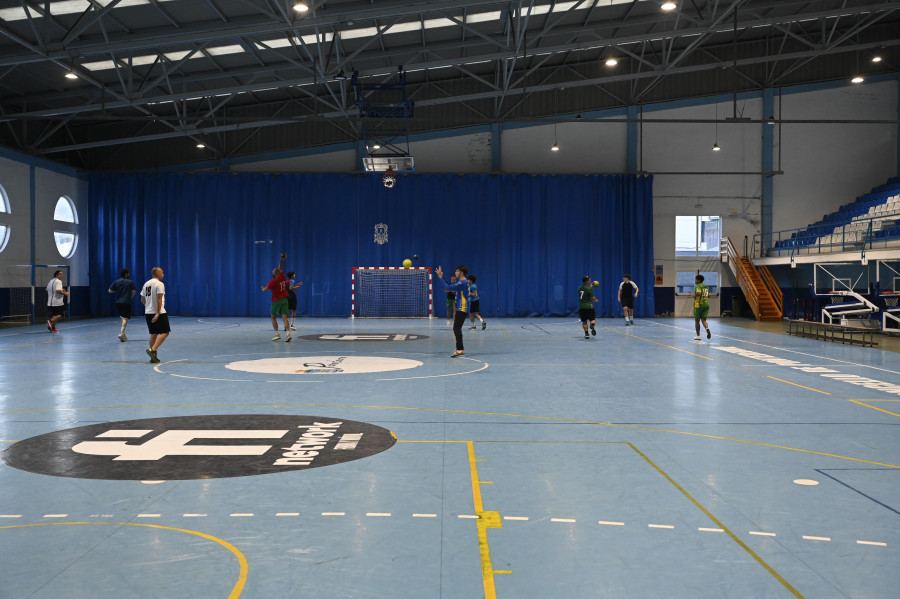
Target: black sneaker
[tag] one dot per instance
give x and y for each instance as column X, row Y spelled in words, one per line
column 483, row 325
column 586, row 336
column 49, row 325
column 593, row 330
column 708, row 334
column 152, row 354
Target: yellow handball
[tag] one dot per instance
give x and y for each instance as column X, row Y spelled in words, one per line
column 595, row 284
column 407, row 263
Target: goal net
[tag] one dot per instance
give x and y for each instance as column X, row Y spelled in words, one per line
column 391, row 292
column 26, row 285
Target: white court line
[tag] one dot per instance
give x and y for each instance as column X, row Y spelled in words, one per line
column 424, row 515
column 816, row 538
column 871, row 543
column 334, row 513
column 149, row 515
column 377, row 515
column 660, row 526
column 762, row 534
column 193, row 515
column 10, row 515
column 287, row 514
column 437, row 376
column 468, row 516
column 515, row 517
column 792, row 351
column 604, row 522
column 710, row 529
column 56, row 515
column 242, row 515
column 562, row 520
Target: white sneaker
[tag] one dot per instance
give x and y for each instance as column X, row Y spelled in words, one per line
column 293, row 328
column 471, row 328
column 288, row 338
column 277, row 337
column 697, row 338
column 122, row 337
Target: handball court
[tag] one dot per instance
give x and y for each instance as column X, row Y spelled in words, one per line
column 361, row 461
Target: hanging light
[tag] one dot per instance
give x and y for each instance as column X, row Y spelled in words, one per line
column 555, row 146
column 876, row 58
column 301, row 7
column 201, row 145
column 611, row 61
column 668, row 6
column 340, row 76
column 857, row 79
column 71, row 75
column 716, row 147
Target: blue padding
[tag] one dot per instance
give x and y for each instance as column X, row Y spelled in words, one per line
column 529, row 240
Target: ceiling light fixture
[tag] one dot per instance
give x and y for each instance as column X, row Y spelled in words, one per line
column 555, row 146
column 716, row 147
column 340, row 76
column 71, row 75
column 876, row 58
column 376, row 146
column 668, row 6
column 301, row 7
column 611, row 61
column 201, row 145
column 857, row 79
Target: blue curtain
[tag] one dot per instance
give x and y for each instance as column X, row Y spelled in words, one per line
column 217, row 236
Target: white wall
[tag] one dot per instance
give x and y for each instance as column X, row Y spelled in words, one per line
column 828, row 165
column 49, row 185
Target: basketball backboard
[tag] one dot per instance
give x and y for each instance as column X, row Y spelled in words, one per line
column 396, row 163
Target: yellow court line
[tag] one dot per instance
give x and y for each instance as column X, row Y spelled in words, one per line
column 444, row 410
column 796, row 385
column 485, row 520
column 873, row 407
column 658, row 343
column 236, row 590
column 709, row 515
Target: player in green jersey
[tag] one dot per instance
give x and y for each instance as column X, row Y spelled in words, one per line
column 586, row 301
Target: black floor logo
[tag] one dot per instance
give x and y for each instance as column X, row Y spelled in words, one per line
column 198, row 447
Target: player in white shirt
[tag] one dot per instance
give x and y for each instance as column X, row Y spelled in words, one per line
column 55, row 301
column 153, row 296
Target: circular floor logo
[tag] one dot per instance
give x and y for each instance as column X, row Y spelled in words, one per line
column 324, row 365
column 198, row 447
column 365, row 337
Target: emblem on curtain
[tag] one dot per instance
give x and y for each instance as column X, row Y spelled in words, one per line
column 381, row 233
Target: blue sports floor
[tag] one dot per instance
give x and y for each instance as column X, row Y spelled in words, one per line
column 361, row 461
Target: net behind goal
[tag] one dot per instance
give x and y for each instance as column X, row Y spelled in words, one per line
column 26, row 285
column 391, row 292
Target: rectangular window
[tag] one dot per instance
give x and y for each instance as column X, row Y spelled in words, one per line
column 697, row 235
column 684, row 282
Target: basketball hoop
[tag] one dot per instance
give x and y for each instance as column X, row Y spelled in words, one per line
column 389, row 178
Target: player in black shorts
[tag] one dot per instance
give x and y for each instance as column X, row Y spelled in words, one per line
column 586, row 301
column 627, row 292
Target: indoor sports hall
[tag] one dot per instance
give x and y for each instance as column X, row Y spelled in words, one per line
column 454, row 299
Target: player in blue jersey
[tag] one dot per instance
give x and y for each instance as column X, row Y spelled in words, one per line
column 475, row 308
column 461, row 287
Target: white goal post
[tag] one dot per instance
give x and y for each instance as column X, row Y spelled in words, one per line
column 26, row 285
column 391, row 292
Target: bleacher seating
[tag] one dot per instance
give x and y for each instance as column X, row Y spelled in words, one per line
column 849, row 227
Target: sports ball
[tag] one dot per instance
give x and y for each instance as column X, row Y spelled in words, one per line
column 595, row 284
column 407, row 263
